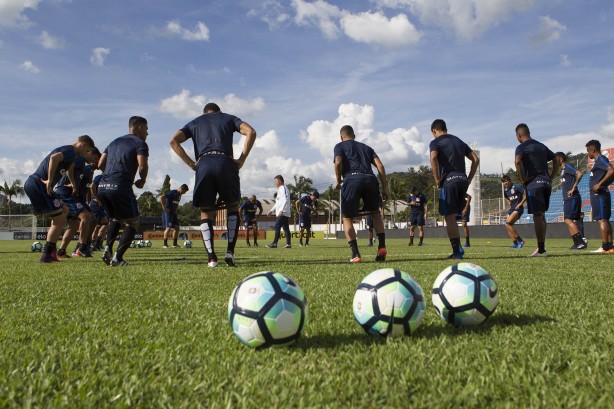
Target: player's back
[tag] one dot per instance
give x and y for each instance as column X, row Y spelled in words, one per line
column 356, row 157
column 212, row 132
column 451, row 153
column 122, row 163
column 535, row 157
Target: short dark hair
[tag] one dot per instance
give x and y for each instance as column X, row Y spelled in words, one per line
column 523, row 130
column 211, row 107
column 316, row 194
column 86, row 139
column 136, row 121
column 184, row 187
column 96, row 151
column 506, row 178
column 280, row 177
column 414, row 189
column 439, row 125
column 561, row 155
column 594, row 143
column 347, row 130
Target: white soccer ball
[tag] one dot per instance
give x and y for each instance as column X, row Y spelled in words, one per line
column 267, row 309
column 465, row 294
column 133, row 244
column 36, row 246
column 147, row 243
column 389, row 302
column 140, row 244
column 187, row 244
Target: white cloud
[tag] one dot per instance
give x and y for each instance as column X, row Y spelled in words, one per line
column 468, row 18
column 200, row 32
column 30, row 67
column 319, row 13
column 99, row 55
column 50, row 42
column 376, row 28
column 565, row 61
column 272, row 12
column 549, row 30
column 12, row 12
column 184, row 105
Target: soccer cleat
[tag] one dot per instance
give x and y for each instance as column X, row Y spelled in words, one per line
column 520, row 244
column 78, row 253
column 356, row 259
column 176, row 246
column 514, row 246
column 467, row 245
column 165, row 246
column 580, row 246
column 287, row 246
column 411, row 243
column 381, row 255
column 255, row 244
column 306, row 244
column 212, row 263
column 62, row 255
column 610, row 251
column 599, row 250
column 370, row 244
column 230, row 260
column 271, row 246
column 419, row 244
column 455, row 256
column 106, row 257
column 118, row 263
column 536, row 253
column 248, row 244
column 47, row 258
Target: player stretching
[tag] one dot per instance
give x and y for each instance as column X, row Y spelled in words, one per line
column 248, row 215
column 304, row 207
column 120, row 162
column 99, row 215
column 572, row 202
column 448, row 154
column 515, row 197
column 39, row 188
column 353, row 161
column 531, row 162
column 417, row 214
column 602, row 175
column 217, row 171
column 170, row 202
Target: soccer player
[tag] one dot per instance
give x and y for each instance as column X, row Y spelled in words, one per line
column 417, row 214
column 515, row 197
column 248, row 215
column 531, row 162
column 572, row 202
column 580, row 223
column 78, row 213
column 39, row 188
column 463, row 218
column 602, row 175
column 99, row 216
column 355, row 178
column 304, row 207
column 120, row 162
column 170, row 202
column 448, row 153
column 369, row 227
column 217, row 171
column 281, row 210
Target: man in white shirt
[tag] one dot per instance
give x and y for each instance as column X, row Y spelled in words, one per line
column 282, row 212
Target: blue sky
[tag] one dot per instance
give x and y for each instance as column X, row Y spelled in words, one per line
column 298, row 70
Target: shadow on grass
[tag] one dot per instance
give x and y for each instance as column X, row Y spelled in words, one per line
column 432, row 331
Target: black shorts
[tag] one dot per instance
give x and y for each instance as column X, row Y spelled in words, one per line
column 601, row 203
column 41, row 201
column 250, row 224
column 416, row 219
column 170, row 219
column 512, row 210
column 369, row 223
column 538, row 198
column 304, row 222
column 97, row 211
column 464, row 217
column 572, row 207
column 452, row 198
column 119, row 204
column 357, row 187
column 216, row 175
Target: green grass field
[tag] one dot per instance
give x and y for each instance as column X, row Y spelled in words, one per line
column 156, row 334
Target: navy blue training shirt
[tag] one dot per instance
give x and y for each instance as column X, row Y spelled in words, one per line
column 568, row 178
column 69, row 153
column 212, row 132
column 420, row 200
column 598, row 172
column 451, row 153
column 171, row 200
column 61, row 188
column 122, row 163
column 514, row 194
column 249, row 209
column 356, row 157
column 535, row 157
column 307, row 205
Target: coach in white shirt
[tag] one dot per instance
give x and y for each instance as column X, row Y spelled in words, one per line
column 282, row 212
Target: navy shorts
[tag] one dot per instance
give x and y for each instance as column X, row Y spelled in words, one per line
column 416, row 219
column 572, row 207
column 97, row 211
column 452, row 198
column 216, row 175
column 41, row 201
column 75, row 206
column 304, row 222
column 538, row 199
column 170, row 219
column 520, row 211
column 601, row 203
column 119, row 204
column 464, row 218
column 369, row 223
column 250, row 224
column 357, row 187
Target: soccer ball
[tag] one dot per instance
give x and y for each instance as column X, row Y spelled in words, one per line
column 147, row 243
column 133, row 244
column 389, row 302
column 187, row 244
column 465, row 294
column 140, row 244
column 36, row 246
column 267, row 309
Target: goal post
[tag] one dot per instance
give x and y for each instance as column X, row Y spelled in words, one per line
column 18, row 223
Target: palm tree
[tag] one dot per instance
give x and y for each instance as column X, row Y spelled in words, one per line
column 9, row 191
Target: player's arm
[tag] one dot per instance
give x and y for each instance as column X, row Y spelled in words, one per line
column 102, row 162
column 382, row 177
column 555, row 169
column 260, row 208
column 523, row 200
column 177, row 139
column 435, row 169
column 54, row 162
column 94, row 191
column 143, row 170
column 467, row 203
column 297, row 205
column 475, row 161
column 520, row 169
column 162, row 197
column 575, row 185
column 606, row 179
column 338, row 165
column 70, row 174
column 250, row 133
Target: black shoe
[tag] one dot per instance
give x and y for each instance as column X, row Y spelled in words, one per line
column 287, row 246
column 419, row 244
column 411, row 243
column 255, row 244
column 230, row 260
column 271, row 246
column 107, row 257
column 248, row 244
